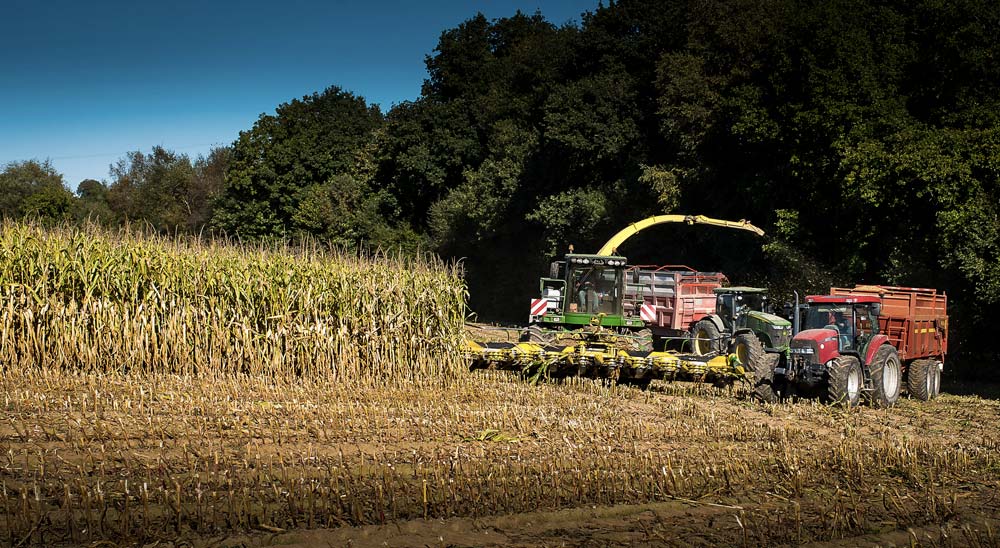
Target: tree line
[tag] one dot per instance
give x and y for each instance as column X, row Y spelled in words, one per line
column 863, row 135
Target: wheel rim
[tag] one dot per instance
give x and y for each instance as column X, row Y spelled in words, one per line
column 890, row 377
column 741, row 353
column 853, row 383
column 701, row 345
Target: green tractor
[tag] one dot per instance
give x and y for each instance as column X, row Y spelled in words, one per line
column 741, row 325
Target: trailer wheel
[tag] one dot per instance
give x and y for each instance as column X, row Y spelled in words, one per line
column 845, row 381
column 886, row 377
column 937, row 379
column 763, row 372
column 707, row 339
column 922, row 379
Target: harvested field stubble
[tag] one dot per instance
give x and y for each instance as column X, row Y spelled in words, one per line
column 108, row 457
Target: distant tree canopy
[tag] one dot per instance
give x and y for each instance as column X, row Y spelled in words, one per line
column 34, row 189
column 304, row 170
column 863, row 136
column 162, row 188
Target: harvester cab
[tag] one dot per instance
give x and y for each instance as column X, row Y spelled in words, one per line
column 584, row 290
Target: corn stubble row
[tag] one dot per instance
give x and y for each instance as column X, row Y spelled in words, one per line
column 94, row 458
column 98, row 301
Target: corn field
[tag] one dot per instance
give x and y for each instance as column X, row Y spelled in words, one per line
column 99, row 301
column 187, row 392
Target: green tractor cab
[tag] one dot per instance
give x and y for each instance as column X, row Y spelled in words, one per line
column 741, row 310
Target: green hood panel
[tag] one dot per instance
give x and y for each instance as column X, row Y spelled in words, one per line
column 772, row 319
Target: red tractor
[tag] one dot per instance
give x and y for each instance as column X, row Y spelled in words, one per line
column 867, row 341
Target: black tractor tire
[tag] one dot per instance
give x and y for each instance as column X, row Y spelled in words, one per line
column 706, row 338
column 643, row 341
column 845, row 381
column 923, row 379
column 887, row 377
column 764, row 388
column 748, row 350
column 534, row 334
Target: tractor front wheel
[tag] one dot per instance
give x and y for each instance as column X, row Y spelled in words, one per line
column 845, row 382
column 707, row 338
column 886, row 377
column 748, row 350
column 763, row 373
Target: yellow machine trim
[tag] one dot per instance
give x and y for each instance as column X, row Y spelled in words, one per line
column 611, row 247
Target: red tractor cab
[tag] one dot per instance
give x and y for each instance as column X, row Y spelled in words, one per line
column 840, row 345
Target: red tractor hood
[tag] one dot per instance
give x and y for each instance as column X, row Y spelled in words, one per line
column 823, row 341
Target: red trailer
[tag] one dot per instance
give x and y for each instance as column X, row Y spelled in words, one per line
column 869, row 339
column 915, row 319
column 671, row 298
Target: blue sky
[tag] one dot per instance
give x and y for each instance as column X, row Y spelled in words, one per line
column 82, row 83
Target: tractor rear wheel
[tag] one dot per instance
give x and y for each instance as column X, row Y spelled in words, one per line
column 763, row 373
column 845, row 381
column 886, row 377
column 922, row 379
column 707, row 338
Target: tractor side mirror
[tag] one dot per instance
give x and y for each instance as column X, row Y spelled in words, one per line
column 877, row 309
column 554, row 269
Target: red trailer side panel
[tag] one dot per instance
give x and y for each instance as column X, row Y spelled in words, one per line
column 915, row 319
column 680, row 295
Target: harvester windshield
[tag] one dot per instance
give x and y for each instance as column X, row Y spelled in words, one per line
column 595, row 289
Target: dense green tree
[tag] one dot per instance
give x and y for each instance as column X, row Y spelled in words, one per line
column 34, row 189
column 291, row 156
column 153, row 188
column 92, row 202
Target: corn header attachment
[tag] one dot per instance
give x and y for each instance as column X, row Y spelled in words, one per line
column 601, row 357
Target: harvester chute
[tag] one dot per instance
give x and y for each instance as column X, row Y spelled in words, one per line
column 611, row 247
